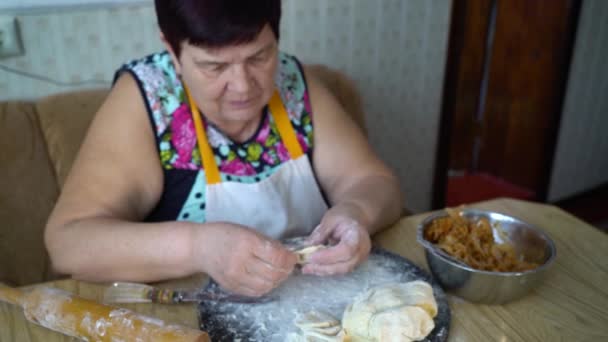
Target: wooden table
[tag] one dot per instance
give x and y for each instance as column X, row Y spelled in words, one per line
column 570, row 305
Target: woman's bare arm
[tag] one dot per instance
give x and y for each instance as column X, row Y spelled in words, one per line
column 116, row 180
column 363, row 192
column 349, row 171
column 95, row 231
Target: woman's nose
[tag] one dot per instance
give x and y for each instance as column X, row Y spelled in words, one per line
column 240, row 79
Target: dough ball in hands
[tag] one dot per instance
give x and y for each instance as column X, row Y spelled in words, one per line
column 300, row 247
column 392, row 312
column 305, row 253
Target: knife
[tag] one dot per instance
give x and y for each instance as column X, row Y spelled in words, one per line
column 125, row 292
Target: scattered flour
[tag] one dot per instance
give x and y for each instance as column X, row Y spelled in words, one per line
column 273, row 321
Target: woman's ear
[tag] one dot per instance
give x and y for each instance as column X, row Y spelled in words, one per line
column 174, row 58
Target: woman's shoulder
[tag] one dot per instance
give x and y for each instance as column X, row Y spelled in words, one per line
column 290, row 74
column 154, row 71
column 159, row 60
column 159, row 85
column 291, row 83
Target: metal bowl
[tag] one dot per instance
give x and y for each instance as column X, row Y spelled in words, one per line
column 485, row 286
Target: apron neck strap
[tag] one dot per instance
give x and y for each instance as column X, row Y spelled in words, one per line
column 212, row 173
column 280, row 116
column 286, row 131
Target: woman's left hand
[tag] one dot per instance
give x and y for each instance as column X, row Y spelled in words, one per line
column 349, row 239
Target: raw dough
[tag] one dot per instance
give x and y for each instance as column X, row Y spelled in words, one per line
column 393, row 312
column 299, row 245
column 304, row 253
column 316, row 320
column 317, row 326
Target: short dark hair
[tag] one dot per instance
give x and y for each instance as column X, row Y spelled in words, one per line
column 215, row 23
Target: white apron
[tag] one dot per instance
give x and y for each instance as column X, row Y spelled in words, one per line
column 286, row 204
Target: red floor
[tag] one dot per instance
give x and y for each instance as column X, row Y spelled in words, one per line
column 476, row 187
column 468, row 188
column 590, row 206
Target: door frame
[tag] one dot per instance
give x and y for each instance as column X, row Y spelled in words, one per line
column 450, row 93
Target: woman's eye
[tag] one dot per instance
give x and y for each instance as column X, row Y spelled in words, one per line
column 258, row 60
column 218, row 67
column 213, row 68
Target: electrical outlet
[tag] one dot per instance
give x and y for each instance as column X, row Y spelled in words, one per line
column 10, row 40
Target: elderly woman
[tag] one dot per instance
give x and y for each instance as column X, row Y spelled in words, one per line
column 205, row 155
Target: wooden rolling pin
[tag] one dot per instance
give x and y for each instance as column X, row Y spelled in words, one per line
column 74, row 316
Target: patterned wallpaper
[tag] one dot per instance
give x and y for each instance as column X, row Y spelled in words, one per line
column 394, row 49
column 581, row 160
column 82, row 46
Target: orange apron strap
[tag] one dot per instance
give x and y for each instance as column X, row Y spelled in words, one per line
column 286, row 131
column 212, row 173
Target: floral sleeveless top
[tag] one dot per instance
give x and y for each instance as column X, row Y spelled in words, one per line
column 183, row 196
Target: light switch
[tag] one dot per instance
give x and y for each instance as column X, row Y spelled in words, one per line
column 10, row 40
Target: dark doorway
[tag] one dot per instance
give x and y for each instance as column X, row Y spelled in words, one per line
column 505, row 83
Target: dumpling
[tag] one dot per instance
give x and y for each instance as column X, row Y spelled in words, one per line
column 317, row 326
column 392, row 312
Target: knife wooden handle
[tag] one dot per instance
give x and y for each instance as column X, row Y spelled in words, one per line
column 10, row 295
column 74, row 316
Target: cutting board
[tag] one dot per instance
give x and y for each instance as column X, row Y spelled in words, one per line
column 273, row 321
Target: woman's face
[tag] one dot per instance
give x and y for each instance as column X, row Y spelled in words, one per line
column 231, row 84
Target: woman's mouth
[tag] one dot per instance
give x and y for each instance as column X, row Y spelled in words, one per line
column 239, row 104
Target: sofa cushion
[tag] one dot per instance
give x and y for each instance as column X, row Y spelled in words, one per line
column 28, row 193
column 64, row 120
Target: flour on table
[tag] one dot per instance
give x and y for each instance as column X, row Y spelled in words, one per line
column 297, row 296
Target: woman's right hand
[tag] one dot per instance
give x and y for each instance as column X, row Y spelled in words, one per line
column 242, row 260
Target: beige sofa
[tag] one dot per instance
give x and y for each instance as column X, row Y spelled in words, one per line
column 38, row 143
